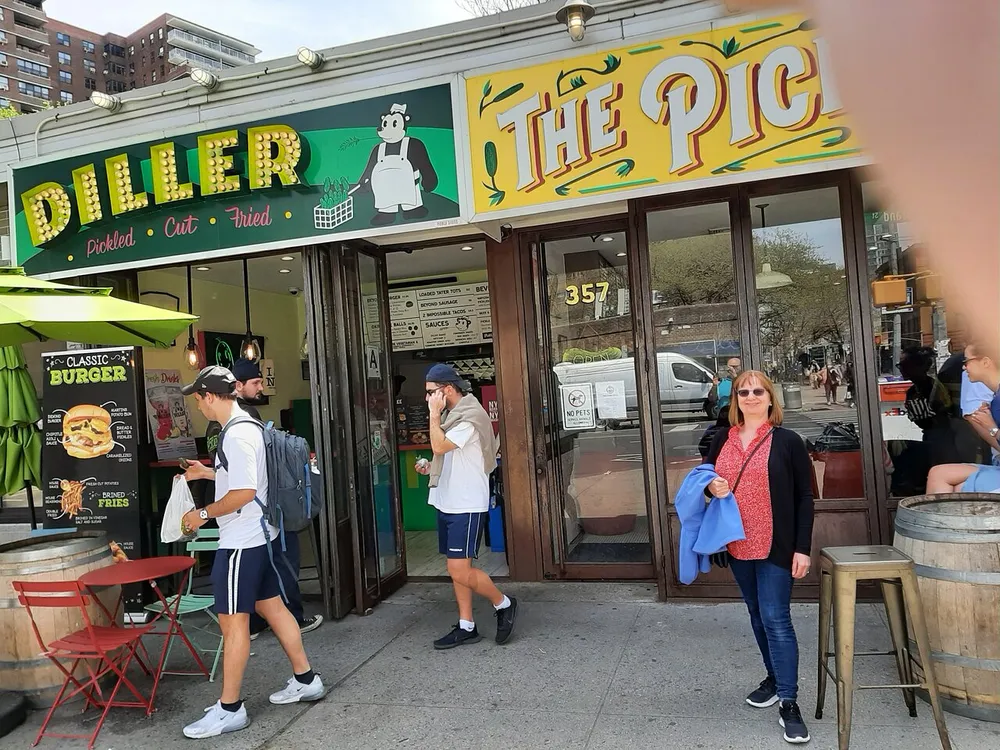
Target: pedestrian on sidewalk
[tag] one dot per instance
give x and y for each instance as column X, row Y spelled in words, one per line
column 244, row 577
column 249, row 387
column 465, row 454
column 769, row 467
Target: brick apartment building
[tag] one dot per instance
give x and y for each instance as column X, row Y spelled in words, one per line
column 44, row 60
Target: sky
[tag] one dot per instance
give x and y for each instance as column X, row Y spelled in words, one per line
column 277, row 27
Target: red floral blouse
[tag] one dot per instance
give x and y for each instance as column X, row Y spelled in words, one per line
column 753, row 496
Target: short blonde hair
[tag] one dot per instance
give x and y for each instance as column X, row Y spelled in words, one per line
column 774, row 416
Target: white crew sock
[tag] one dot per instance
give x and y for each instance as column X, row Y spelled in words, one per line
column 504, row 604
column 467, row 625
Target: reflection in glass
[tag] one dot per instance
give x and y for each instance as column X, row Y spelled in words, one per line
column 595, row 450
column 377, row 413
column 805, row 333
column 919, row 356
column 696, row 325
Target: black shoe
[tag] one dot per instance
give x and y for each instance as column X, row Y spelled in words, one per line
column 382, row 219
column 309, row 624
column 458, row 637
column 790, row 718
column 764, row 696
column 505, row 621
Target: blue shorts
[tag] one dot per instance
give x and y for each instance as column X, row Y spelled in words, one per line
column 243, row 577
column 985, row 479
column 459, row 534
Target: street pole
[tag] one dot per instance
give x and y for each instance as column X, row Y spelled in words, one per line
column 897, row 318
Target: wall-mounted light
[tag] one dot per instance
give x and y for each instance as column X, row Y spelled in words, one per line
column 106, row 101
column 466, row 248
column 203, row 78
column 287, row 258
column 310, row 58
column 203, row 268
column 575, row 14
column 607, row 239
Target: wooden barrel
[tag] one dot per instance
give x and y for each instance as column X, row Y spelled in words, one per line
column 954, row 540
column 59, row 557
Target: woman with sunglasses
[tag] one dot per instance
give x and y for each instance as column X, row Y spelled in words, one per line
column 767, row 468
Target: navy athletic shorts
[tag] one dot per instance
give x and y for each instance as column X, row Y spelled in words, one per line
column 459, row 534
column 243, row 577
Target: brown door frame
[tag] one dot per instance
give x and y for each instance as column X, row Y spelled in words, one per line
column 549, row 502
column 369, row 595
column 666, row 575
column 507, row 270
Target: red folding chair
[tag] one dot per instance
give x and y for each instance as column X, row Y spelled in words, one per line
column 103, row 650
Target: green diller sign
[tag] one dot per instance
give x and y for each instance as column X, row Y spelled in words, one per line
column 354, row 168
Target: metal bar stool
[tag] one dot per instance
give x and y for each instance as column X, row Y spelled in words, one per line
column 840, row 570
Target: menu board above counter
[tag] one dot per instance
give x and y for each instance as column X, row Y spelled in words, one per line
column 442, row 316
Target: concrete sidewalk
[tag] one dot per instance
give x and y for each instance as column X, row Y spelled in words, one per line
column 590, row 666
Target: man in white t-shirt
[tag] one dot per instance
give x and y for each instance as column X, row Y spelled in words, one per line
column 465, row 452
column 244, row 576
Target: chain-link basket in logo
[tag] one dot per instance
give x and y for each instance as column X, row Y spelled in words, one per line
column 331, row 218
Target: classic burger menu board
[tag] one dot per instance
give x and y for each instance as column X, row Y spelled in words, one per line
column 438, row 317
column 89, row 469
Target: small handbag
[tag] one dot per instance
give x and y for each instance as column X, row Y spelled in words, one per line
column 721, row 559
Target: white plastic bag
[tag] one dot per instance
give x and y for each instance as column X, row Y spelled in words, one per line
column 180, row 502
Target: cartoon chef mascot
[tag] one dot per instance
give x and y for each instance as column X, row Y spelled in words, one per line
column 399, row 170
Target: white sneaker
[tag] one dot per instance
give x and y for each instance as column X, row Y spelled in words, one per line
column 295, row 691
column 216, row 721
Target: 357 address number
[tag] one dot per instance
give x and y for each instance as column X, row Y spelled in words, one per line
column 587, row 293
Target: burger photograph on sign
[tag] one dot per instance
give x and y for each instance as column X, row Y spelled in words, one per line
column 87, row 431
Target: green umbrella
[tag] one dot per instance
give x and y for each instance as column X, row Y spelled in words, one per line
column 36, row 310
column 20, row 438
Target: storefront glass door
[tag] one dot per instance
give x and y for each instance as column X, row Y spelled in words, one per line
column 596, row 509
column 379, row 555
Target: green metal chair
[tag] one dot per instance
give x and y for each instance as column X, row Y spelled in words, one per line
column 207, row 540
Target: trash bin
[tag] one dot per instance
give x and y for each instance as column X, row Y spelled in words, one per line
column 839, row 449
column 792, row 396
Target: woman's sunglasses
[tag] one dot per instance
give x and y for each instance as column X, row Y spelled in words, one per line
column 744, row 392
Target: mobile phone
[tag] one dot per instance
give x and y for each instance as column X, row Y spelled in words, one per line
column 184, row 463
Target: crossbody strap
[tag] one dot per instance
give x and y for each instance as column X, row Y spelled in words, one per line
column 747, row 461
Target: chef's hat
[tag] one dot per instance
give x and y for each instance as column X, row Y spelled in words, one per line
column 400, row 108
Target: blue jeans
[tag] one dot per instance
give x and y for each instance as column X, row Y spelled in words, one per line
column 767, row 591
column 287, row 564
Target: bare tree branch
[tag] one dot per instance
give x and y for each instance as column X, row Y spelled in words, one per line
column 491, row 7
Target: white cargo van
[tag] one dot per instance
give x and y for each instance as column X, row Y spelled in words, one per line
column 684, row 383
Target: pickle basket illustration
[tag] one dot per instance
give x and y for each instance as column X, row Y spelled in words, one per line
column 336, row 207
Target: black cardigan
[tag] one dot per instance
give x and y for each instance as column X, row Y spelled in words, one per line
column 790, row 478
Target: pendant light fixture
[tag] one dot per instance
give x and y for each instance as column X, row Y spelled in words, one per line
column 250, row 349
column 768, row 278
column 191, row 354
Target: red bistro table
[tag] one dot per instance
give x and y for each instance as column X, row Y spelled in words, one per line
column 149, row 570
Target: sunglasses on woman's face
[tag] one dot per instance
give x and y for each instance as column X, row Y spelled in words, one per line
column 744, row 392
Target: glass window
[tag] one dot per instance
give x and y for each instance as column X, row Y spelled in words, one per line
column 33, row 68
column 596, row 466
column 923, row 395
column 114, row 87
column 805, row 330
column 89, row 65
column 154, row 76
column 90, row 83
column 66, row 97
column 33, row 89
column 160, row 32
column 697, row 329
column 3, row 59
column 3, row 37
column 88, row 47
column 62, row 39
column 161, row 52
column 65, row 58
column 65, row 76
